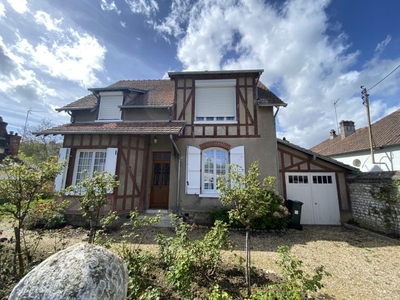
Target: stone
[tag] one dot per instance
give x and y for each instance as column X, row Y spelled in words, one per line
column 80, row 272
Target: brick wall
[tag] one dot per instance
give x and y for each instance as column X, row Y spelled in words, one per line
column 368, row 211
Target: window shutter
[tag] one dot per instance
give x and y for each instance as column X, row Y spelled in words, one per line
column 59, row 182
column 109, row 109
column 215, row 98
column 237, row 157
column 111, row 160
column 193, row 170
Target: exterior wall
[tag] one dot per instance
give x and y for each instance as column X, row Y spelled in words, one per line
column 366, row 209
column 254, row 129
column 292, row 160
column 148, row 114
column 82, row 116
column 389, row 157
column 131, row 168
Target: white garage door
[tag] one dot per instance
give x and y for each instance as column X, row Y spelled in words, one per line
column 318, row 193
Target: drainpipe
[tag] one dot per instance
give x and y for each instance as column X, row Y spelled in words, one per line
column 279, row 183
column 178, row 185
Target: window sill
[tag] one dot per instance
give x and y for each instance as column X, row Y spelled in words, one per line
column 214, row 122
column 209, row 195
column 108, row 120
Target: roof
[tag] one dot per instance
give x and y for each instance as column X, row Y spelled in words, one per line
column 160, row 93
column 268, row 98
column 385, row 132
column 322, row 157
column 150, row 92
column 117, row 128
column 172, row 75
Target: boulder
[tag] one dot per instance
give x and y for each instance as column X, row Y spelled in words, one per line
column 83, row 271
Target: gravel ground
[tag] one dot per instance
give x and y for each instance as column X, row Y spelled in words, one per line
column 363, row 265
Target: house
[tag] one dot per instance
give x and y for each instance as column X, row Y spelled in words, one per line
column 167, row 141
column 319, row 182
column 352, row 146
column 9, row 142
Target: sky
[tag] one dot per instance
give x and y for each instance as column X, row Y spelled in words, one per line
column 314, row 53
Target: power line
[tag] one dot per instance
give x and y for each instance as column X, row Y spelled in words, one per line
column 384, row 78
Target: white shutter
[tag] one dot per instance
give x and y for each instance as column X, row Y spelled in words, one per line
column 109, row 109
column 59, row 182
column 111, row 160
column 193, row 173
column 237, row 157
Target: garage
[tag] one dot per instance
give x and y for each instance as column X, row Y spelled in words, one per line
column 318, row 192
column 316, row 180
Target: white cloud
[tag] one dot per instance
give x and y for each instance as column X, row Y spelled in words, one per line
column 109, row 6
column 382, row 45
column 307, row 68
column 20, row 6
column 44, row 18
column 2, row 11
column 145, row 7
column 123, row 24
column 73, row 56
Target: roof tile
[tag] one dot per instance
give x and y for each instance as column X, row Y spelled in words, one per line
column 385, row 132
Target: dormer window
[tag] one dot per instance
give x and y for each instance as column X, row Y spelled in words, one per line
column 215, row 101
column 109, row 102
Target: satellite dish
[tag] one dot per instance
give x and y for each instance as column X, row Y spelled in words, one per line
column 356, row 162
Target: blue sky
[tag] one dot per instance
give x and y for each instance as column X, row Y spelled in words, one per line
column 313, row 52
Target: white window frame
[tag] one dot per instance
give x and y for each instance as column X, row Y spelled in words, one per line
column 212, row 181
column 108, row 108
column 195, row 169
column 110, row 161
column 215, row 101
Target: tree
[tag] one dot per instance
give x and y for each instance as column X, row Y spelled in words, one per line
column 249, row 199
column 39, row 148
column 92, row 192
column 19, row 191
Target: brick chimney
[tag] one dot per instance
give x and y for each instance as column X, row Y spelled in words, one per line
column 3, row 127
column 346, row 128
column 13, row 143
column 332, row 134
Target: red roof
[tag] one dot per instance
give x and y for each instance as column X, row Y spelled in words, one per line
column 385, row 132
column 156, row 93
column 117, row 128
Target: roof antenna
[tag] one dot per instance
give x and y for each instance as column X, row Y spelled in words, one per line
column 337, row 123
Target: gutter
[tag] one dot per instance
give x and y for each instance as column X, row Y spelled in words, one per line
column 178, row 185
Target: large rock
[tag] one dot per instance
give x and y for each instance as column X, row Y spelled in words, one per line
column 83, row 271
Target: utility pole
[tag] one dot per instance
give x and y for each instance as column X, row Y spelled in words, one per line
column 365, row 97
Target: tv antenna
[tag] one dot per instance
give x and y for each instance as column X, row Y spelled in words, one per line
column 334, row 105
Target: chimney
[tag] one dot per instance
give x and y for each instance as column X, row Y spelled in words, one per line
column 3, row 127
column 13, row 144
column 346, row 128
column 332, row 134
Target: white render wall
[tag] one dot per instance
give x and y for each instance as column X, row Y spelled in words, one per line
column 388, row 159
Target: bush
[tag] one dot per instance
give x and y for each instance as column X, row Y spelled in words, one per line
column 276, row 219
column 46, row 214
column 185, row 258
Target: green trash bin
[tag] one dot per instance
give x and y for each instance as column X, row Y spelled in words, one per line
column 294, row 208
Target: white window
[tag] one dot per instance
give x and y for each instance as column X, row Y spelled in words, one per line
column 204, row 168
column 108, row 109
column 215, row 101
column 89, row 161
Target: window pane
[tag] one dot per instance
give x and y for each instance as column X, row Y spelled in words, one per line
column 88, row 162
column 215, row 164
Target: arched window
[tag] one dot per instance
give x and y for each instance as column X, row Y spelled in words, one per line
column 214, row 164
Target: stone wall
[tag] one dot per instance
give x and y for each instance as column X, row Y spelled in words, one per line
column 370, row 212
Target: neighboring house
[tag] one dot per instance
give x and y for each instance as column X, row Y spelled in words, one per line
column 9, row 143
column 352, row 146
column 319, row 182
column 169, row 140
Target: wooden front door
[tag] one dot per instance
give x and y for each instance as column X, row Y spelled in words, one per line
column 160, row 180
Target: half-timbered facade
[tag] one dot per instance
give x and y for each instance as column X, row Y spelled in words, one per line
column 319, row 182
column 167, row 141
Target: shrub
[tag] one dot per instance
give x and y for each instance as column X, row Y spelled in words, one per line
column 184, row 258
column 46, row 214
